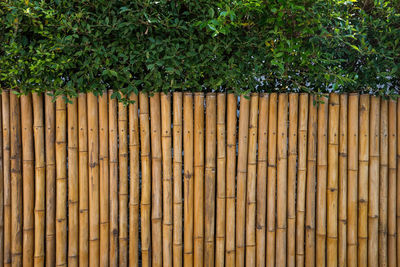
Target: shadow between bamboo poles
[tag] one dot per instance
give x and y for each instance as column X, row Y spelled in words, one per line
column 271, row 183
column 398, row 186
column 221, row 184
column 301, row 178
column 146, row 179
column 231, row 122
column 198, row 163
column 392, row 185
column 322, row 165
column 134, row 182
column 5, row 105
column 113, row 183
column 167, row 178
column 123, row 183
column 364, row 111
column 104, row 180
column 291, row 189
column 83, row 181
column 177, row 182
column 281, row 203
column 333, row 182
column 93, row 145
column 61, row 183
column 209, row 179
column 261, row 193
column 251, row 182
column 1, row 193
column 50, row 136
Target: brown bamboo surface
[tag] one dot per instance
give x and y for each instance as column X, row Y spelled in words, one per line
column 215, row 179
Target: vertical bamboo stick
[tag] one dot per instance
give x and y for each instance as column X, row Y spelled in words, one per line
column 61, row 182
column 50, row 135
column 231, row 121
column 83, row 182
column 123, row 183
column 146, row 179
column 333, row 182
column 104, row 180
column 261, row 193
column 113, row 183
column 167, row 178
column 5, row 105
column 271, row 183
column 177, row 183
column 342, row 241
column 363, row 155
column 134, row 182
column 397, row 185
column 251, row 182
column 311, row 183
column 1, row 193
column 301, row 178
column 221, row 191
column 322, row 164
column 209, row 176
column 392, row 185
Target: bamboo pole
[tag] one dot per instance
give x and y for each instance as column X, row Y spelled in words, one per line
column 363, row 180
column 61, row 183
column 261, row 179
column 291, row 189
column 392, row 185
column 397, row 185
column 177, row 183
column 93, row 152
column 1, row 193
column 301, row 178
column 123, row 183
column 5, row 105
column 50, row 136
column 221, row 190
column 209, row 176
column 134, row 182
column 333, row 182
column 231, row 121
column 167, row 178
column 104, row 180
column 83, row 181
column 251, row 182
column 146, row 179
column 113, row 183
column 322, row 165
column 271, row 182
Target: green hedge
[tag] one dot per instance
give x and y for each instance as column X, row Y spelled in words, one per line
column 318, row 46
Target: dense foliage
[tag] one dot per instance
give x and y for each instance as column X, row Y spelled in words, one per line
column 70, row 46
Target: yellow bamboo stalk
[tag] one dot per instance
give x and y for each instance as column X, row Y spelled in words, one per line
column 123, row 183
column 271, row 183
column 322, row 165
column 104, row 180
column 50, row 135
column 83, row 182
column 209, row 176
column 231, row 121
column 221, row 191
column 301, row 178
column 342, row 207
column 291, row 189
column 93, row 152
column 397, row 185
column 392, row 185
column 134, row 182
column 363, row 162
column 167, row 178
column 1, row 193
column 113, row 183
column 311, row 183
column 333, row 182
column 177, row 183
column 251, row 182
column 146, row 179
column 5, row 105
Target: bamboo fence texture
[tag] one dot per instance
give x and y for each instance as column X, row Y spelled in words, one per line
column 199, row 179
